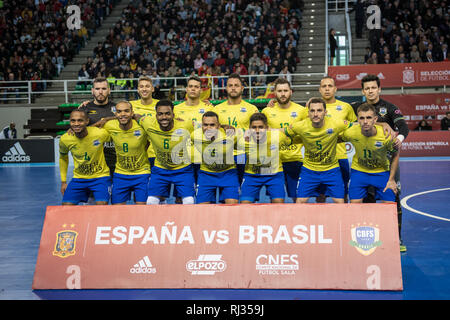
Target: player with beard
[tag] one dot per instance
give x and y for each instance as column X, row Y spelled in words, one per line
column 90, row 173
column 282, row 114
column 236, row 112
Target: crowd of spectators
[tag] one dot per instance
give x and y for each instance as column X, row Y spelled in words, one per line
column 35, row 41
column 411, row 31
column 179, row 38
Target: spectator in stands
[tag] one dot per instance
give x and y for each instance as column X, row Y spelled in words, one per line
column 359, row 17
column 415, row 54
column 423, row 126
column 9, row 132
column 83, row 75
column 373, row 59
column 445, row 122
column 333, row 45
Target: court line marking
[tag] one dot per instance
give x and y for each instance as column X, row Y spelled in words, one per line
column 406, row 206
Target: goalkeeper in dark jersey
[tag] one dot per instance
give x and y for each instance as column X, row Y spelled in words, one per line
column 389, row 113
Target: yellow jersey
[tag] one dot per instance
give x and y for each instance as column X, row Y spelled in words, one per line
column 192, row 114
column 145, row 110
column 87, row 152
column 214, row 156
column 282, row 118
column 130, row 148
column 371, row 153
column 340, row 110
column 319, row 143
column 263, row 157
column 172, row 148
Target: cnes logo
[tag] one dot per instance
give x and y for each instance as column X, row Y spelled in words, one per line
column 16, row 154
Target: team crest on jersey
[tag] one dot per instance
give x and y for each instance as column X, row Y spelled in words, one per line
column 339, row 108
column 179, row 132
column 137, row 133
column 383, row 111
column 294, row 114
column 96, row 143
column 201, row 111
column 378, row 144
column 330, row 130
column 113, row 109
column 65, row 243
column 365, row 238
column 243, row 109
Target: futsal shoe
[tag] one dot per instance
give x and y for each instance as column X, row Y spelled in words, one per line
column 402, row 246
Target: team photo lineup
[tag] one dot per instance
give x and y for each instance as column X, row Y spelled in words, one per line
column 136, row 150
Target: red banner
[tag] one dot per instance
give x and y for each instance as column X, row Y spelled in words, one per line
column 426, row 144
column 393, row 75
column 416, row 107
column 277, row 246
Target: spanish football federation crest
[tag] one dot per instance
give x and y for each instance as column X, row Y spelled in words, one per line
column 365, row 238
column 65, row 243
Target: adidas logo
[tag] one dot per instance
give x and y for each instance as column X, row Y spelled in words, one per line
column 143, row 266
column 16, row 154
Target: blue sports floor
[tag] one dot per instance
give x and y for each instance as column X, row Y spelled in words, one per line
column 26, row 191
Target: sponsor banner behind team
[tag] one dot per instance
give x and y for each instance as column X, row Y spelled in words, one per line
column 393, row 75
column 426, row 144
column 26, row 151
column 417, row 107
column 288, row 246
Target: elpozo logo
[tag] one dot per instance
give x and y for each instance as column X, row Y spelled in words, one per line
column 206, row 264
column 65, row 242
column 16, row 154
column 365, row 238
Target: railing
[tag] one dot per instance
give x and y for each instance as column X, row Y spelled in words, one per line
column 23, row 91
column 338, row 6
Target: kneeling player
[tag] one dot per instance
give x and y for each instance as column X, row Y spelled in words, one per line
column 263, row 166
column 90, row 173
column 217, row 169
column 132, row 165
column 370, row 165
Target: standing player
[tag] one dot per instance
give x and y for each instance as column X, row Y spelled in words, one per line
column 370, row 165
column 90, row 173
column 282, row 114
column 132, row 165
column 264, row 166
column 171, row 141
column 320, row 164
column 145, row 106
column 236, row 112
column 338, row 110
column 390, row 114
column 217, row 169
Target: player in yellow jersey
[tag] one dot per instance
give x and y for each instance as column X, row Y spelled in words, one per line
column 215, row 155
column 319, row 135
column 91, row 173
column 171, row 141
column 371, row 165
column 264, row 166
column 132, row 165
column 282, row 114
column 236, row 112
column 338, row 110
column 145, row 106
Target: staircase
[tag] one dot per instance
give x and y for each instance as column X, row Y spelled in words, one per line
column 358, row 45
column 311, row 51
column 70, row 71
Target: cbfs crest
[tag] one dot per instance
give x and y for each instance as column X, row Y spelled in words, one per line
column 65, row 243
column 365, row 238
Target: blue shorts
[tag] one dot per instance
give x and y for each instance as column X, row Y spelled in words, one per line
column 208, row 182
column 78, row 190
column 124, row 184
column 360, row 181
column 182, row 179
column 252, row 184
column 291, row 174
column 313, row 183
column 345, row 172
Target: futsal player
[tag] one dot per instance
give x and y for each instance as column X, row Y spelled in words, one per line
column 170, row 138
column 319, row 135
column 214, row 150
column 132, row 166
column 338, row 110
column 90, row 173
column 263, row 163
column 236, row 112
column 282, row 114
column 370, row 165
